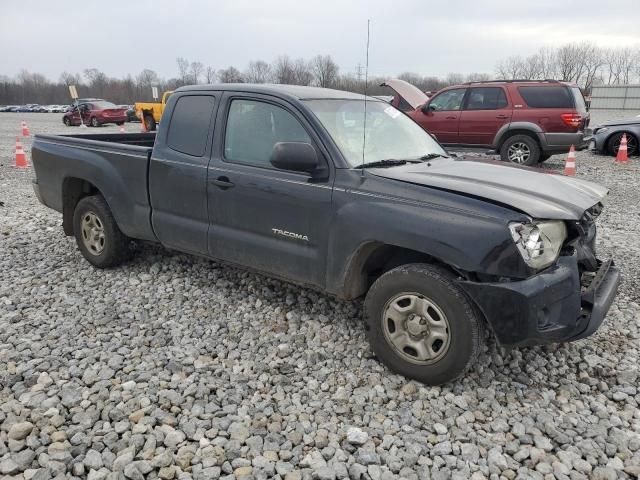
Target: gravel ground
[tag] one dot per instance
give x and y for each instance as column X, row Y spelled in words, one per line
column 177, row 367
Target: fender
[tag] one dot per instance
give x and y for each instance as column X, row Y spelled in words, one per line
column 437, row 230
column 524, row 126
column 102, row 167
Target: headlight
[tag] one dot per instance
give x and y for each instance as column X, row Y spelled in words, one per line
column 539, row 243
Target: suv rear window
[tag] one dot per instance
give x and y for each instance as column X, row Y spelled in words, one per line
column 547, row 97
column 581, row 106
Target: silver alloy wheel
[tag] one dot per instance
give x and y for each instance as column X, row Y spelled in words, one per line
column 416, row 328
column 92, row 233
column 519, row 152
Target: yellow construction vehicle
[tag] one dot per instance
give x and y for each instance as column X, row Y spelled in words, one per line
column 151, row 112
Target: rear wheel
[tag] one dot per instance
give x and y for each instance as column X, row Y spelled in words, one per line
column 520, row 149
column 614, row 144
column 422, row 325
column 149, row 123
column 98, row 236
column 94, row 122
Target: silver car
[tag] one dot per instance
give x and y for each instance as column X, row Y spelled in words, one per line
column 607, row 136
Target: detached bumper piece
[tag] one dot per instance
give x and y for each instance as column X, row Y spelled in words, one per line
column 554, row 306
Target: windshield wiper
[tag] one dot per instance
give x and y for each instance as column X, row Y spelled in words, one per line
column 390, row 162
column 431, row 156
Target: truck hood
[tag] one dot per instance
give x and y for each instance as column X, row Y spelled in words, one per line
column 412, row 94
column 539, row 194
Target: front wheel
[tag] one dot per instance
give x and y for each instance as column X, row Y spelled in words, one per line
column 94, row 122
column 67, row 121
column 97, row 234
column 520, row 149
column 614, row 144
column 422, row 325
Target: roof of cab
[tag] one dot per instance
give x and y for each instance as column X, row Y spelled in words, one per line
column 295, row 91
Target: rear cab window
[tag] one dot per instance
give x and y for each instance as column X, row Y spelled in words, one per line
column 558, row 96
column 190, row 124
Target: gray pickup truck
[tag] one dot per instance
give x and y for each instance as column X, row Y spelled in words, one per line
column 321, row 188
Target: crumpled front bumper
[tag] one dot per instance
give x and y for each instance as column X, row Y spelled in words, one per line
column 553, row 306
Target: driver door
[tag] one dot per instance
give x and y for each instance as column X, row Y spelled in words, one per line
column 443, row 116
column 273, row 220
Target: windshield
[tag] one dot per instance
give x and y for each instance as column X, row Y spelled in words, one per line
column 103, row 104
column 390, row 133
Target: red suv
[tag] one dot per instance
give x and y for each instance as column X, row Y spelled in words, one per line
column 527, row 121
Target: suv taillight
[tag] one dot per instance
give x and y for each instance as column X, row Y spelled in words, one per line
column 572, row 119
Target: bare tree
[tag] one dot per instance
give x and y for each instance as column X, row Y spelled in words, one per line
column 478, row 77
column 325, row 70
column 210, row 74
column 196, row 69
column 70, row 78
column 230, row 75
column 183, row 69
column 302, row 74
column 258, row 72
column 283, row 70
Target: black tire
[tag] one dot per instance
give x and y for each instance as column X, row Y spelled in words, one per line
column 119, row 123
column 150, row 123
column 94, row 122
column 614, row 143
column 544, row 158
column 529, row 148
column 115, row 249
column 463, row 321
column 66, row 121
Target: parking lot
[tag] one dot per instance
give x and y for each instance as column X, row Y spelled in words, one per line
column 179, row 367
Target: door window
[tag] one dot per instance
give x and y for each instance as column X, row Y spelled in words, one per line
column 189, row 128
column 449, row 100
column 486, row 98
column 253, row 129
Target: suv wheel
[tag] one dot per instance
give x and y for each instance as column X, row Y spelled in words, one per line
column 520, row 149
column 98, row 237
column 422, row 325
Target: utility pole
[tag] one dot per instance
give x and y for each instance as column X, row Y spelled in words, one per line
column 359, row 72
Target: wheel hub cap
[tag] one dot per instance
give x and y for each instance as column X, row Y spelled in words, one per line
column 416, row 328
column 92, row 233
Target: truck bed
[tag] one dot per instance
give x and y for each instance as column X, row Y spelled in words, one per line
column 116, row 164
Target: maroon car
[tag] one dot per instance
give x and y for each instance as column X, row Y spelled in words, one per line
column 526, row 121
column 95, row 113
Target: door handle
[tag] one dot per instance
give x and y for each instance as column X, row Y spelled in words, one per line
column 453, row 117
column 502, row 117
column 223, row 183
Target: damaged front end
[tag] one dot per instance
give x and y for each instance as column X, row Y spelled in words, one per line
column 567, row 300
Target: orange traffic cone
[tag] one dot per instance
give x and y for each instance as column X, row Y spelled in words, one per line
column 570, row 166
column 622, row 156
column 122, row 128
column 21, row 158
column 25, row 129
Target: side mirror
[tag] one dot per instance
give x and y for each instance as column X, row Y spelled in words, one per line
column 426, row 108
column 294, row 156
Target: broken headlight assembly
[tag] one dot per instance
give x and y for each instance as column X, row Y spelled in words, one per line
column 539, row 243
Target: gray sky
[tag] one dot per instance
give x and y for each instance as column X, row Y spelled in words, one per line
column 427, row 37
